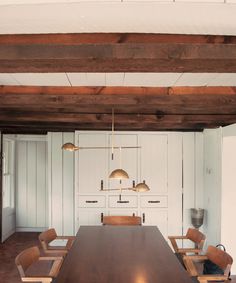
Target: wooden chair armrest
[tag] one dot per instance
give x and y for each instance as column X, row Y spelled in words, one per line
column 43, row 279
column 196, row 257
column 66, row 237
column 55, row 268
column 212, row 277
column 190, row 266
column 188, row 250
column 56, row 251
column 50, row 258
column 178, row 237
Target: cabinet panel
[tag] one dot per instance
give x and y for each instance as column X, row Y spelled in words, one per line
column 156, row 217
column 126, row 201
column 153, row 201
column 92, row 163
column 154, row 155
column 89, row 216
column 127, row 159
column 92, row 201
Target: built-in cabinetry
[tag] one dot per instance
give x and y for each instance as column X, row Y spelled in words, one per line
column 158, row 161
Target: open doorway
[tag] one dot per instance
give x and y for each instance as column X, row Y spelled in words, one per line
column 25, row 193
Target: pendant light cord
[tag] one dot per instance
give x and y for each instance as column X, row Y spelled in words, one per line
column 112, row 135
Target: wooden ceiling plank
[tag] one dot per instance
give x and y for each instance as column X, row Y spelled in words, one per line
column 117, row 53
column 97, row 38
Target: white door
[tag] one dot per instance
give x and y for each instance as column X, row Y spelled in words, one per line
column 8, row 191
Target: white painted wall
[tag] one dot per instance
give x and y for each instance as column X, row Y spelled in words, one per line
column 212, row 185
column 192, row 175
column 31, row 183
column 228, row 232
column 61, row 184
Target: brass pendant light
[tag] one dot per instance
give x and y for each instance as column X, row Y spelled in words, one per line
column 141, row 188
column 119, row 174
column 71, row 147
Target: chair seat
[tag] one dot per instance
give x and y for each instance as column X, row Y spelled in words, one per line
column 44, row 268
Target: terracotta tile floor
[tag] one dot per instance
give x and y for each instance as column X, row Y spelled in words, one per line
column 13, row 246
column 9, row 250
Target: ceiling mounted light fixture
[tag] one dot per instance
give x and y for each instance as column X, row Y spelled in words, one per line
column 71, row 147
column 119, row 174
column 141, row 188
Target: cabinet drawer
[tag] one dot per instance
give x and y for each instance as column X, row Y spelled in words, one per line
column 92, row 201
column 126, row 201
column 153, row 201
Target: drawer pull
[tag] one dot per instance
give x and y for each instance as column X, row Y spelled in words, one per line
column 101, row 217
column 122, row 201
column 153, row 201
column 91, row 201
column 143, row 217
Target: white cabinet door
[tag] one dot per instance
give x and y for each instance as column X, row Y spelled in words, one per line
column 156, row 217
column 127, row 159
column 90, row 216
column 92, row 163
column 154, row 155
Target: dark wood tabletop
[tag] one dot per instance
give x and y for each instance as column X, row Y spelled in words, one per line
column 121, row 254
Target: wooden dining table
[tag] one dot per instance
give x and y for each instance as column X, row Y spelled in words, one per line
column 121, row 254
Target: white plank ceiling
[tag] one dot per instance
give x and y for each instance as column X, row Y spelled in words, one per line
column 156, row 16
column 119, row 79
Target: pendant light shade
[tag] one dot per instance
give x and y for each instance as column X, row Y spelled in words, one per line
column 141, row 188
column 119, row 174
column 69, row 147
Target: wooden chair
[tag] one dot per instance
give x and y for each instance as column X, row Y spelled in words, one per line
column 122, row 220
column 217, row 256
column 194, row 236
column 50, row 235
column 29, row 264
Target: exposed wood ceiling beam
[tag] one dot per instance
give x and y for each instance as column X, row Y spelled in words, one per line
column 117, row 53
column 41, row 109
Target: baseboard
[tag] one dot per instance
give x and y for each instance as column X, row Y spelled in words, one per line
column 31, row 229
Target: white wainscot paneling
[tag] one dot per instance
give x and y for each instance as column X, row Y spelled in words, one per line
column 61, row 184
column 31, row 185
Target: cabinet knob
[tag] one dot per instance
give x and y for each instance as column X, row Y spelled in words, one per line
column 143, row 217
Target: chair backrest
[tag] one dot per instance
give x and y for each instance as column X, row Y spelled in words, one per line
column 196, row 236
column 122, row 220
column 220, row 258
column 26, row 258
column 46, row 237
